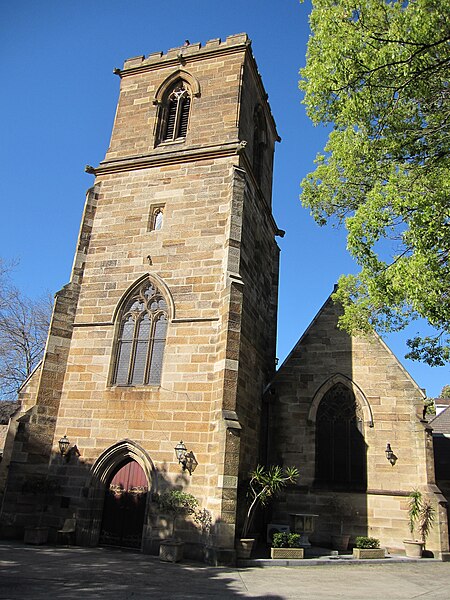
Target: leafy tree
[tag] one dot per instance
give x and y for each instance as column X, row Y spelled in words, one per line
column 445, row 392
column 23, row 332
column 377, row 72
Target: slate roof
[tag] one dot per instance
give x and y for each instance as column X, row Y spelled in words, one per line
column 7, row 409
column 441, row 423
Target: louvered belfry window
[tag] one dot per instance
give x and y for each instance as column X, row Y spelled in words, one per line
column 177, row 114
column 340, row 445
column 142, row 338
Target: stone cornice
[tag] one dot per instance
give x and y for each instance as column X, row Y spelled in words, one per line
column 160, row 158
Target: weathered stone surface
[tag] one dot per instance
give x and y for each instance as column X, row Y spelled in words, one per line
column 216, row 261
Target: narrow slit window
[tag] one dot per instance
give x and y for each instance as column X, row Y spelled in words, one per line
column 156, row 218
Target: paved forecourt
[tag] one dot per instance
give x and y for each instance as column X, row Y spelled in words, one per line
column 43, row 572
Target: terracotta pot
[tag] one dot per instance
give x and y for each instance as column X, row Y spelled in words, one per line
column 244, row 547
column 340, row 542
column 413, row 548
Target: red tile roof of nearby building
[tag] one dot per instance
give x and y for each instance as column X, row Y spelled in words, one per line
column 442, row 401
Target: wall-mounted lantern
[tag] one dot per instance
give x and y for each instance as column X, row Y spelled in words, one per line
column 185, row 458
column 66, row 449
column 390, row 455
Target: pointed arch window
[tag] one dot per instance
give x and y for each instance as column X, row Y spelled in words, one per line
column 142, row 338
column 175, row 113
column 340, row 445
column 156, row 217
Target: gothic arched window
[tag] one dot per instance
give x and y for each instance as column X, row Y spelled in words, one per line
column 142, row 338
column 340, row 445
column 175, row 113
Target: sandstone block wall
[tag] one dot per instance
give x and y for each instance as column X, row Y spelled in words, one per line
column 216, row 263
column 391, row 404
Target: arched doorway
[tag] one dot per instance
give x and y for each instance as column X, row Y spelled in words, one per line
column 124, row 507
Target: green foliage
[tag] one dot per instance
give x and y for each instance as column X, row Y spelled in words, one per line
column 367, row 543
column 414, row 504
column 264, row 484
column 429, row 406
column 377, row 70
column 445, row 392
column 421, row 515
column 286, row 540
column 177, row 503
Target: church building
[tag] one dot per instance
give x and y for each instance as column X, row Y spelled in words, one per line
column 159, row 369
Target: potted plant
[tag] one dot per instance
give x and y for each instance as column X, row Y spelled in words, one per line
column 42, row 488
column 368, row 547
column 343, row 510
column 286, row 545
column 174, row 503
column 264, row 484
column 420, row 521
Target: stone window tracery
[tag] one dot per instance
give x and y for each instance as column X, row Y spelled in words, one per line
column 175, row 113
column 340, row 444
column 142, row 338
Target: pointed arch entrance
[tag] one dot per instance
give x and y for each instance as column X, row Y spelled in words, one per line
column 124, row 507
column 121, row 469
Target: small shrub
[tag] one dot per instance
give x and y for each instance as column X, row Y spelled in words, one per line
column 286, row 540
column 367, row 543
column 177, row 504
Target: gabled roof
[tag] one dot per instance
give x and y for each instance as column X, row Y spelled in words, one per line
column 441, row 423
column 329, row 301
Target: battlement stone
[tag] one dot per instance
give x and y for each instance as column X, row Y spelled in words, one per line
column 187, row 51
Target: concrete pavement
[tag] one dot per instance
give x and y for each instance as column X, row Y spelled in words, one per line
column 54, row 573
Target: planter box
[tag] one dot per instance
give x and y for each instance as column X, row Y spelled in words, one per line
column 36, row 535
column 369, row 553
column 171, row 551
column 287, row 552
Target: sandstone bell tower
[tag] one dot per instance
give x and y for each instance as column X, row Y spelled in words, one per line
column 172, row 305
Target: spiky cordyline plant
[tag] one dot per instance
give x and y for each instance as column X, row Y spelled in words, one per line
column 264, row 484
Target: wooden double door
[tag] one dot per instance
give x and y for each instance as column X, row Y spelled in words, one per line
column 124, row 507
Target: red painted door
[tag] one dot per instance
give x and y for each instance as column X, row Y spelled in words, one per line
column 124, row 509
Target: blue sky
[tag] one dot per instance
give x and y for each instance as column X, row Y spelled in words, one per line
column 58, row 102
